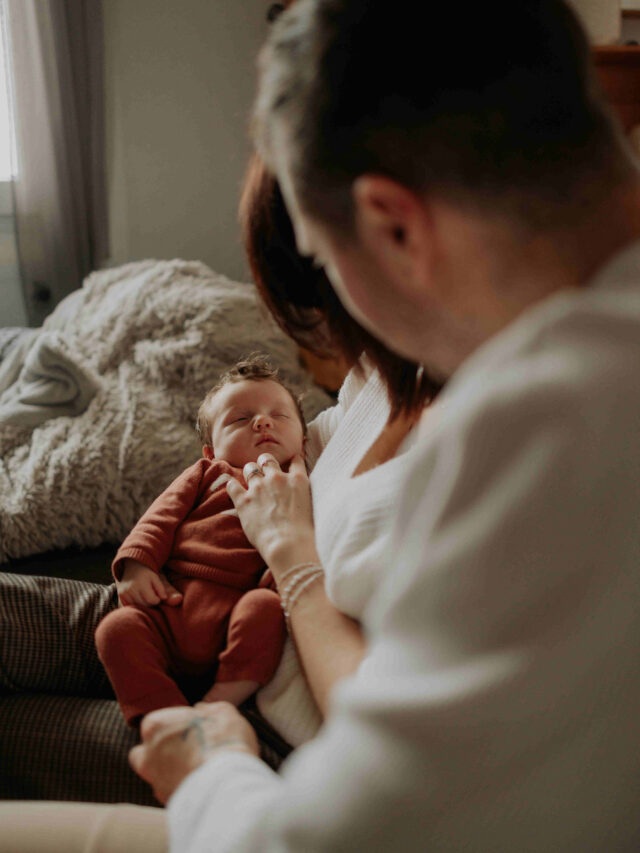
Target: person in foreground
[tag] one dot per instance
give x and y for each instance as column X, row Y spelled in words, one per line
column 222, row 620
column 482, row 218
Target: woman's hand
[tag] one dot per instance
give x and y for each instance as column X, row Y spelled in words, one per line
column 275, row 511
column 176, row 741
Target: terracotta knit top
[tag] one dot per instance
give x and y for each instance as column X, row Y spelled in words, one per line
column 193, row 528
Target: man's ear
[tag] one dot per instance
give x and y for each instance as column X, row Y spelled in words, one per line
column 395, row 224
column 207, row 452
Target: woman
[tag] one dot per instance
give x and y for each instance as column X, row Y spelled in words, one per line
column 382, row 399
column 385, row 400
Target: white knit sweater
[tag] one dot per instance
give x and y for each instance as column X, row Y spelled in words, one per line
column 351, row 519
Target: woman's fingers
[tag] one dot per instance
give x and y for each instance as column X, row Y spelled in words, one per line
column 162, row 759
column 297, row 465
column 175, row 741
column 252, row 469
column 268, row 462
column 235, row 490
column 275, row 509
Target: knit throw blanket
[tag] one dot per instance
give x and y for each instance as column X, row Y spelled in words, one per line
column 152, row 337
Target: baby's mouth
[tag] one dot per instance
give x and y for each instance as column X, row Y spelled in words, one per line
column 266, row 439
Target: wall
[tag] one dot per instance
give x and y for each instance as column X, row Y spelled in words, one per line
column 180, row 79
column 12, row 310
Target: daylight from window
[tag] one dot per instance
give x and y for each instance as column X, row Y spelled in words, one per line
column 7, row 160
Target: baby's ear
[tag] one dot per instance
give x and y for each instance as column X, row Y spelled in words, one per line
column 207, row 452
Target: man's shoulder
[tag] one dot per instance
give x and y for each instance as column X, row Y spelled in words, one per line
column 572, row 354
column 559, row 392
column 533, row 462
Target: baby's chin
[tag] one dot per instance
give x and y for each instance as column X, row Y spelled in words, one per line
column 282, row 456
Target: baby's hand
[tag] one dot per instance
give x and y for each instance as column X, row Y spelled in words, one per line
column 143, row 587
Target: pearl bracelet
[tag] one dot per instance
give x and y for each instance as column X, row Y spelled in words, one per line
column 299, row 578
column 295, row 569
column 288, row 592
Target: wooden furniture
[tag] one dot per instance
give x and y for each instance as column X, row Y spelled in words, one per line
column 619, row 71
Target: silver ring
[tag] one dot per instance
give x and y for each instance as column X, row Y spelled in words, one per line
column 270, row 460
column 253, row 472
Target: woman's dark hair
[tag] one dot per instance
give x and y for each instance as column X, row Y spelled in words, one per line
column 303, row 302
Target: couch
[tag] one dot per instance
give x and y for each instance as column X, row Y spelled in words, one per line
column 132, row 353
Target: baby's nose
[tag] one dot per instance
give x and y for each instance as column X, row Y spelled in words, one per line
column 261, row 421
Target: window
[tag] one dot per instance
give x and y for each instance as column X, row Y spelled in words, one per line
column 7, row 141
column 12, row 311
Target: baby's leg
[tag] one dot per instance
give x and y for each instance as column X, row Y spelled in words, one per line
column 255, row 640
column 136, row 658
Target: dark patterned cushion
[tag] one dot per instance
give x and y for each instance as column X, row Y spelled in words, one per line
column 67, row 748
column 62, row 735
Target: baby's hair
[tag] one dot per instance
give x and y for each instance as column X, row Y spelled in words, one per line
column 255, row 367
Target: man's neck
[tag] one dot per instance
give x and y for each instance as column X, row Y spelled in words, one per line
column 572, row 257
column 514, row 270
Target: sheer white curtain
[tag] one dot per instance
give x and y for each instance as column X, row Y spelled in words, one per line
column 60, row 196
column 12, row 309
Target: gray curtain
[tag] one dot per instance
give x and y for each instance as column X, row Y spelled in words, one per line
column 60, row 195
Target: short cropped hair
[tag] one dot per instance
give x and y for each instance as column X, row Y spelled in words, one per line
column 303, row 302
column 494, row 106
column 255, row 367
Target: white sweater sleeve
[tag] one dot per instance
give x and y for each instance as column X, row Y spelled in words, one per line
column 324, row 425
column 224, row 805
column 497, row 706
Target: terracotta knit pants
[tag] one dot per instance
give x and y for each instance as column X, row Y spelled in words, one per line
column 161, row 656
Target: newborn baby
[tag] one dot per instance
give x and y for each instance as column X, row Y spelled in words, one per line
column 218, row 633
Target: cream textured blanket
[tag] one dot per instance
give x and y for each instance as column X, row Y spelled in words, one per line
column 50, row 384
column 153, row 337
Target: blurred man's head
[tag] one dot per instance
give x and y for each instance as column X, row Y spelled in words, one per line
column 405, row 143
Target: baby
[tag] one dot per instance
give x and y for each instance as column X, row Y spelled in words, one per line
column 224, row 623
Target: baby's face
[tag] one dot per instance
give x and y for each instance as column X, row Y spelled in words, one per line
column 253, row 417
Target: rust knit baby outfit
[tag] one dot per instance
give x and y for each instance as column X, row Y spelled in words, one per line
column 229, row 625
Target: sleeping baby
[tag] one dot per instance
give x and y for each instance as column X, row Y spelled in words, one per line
column 220, row 635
